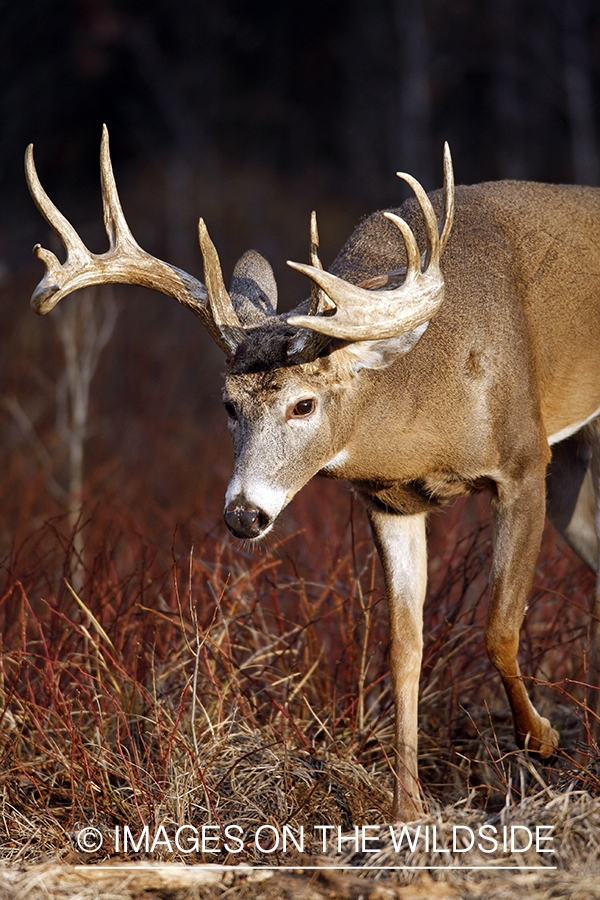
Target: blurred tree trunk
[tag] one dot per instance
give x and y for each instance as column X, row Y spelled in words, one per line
column 579, row 93
column 371, row 130
column 411, row 148
column 508, row 88
column 84, row 326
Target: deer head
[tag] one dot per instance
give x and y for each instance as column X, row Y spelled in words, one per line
column 285, row 370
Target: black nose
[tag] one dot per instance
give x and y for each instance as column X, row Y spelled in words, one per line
column 245, row 523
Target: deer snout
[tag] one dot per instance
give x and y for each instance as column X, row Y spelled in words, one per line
column 246, row 522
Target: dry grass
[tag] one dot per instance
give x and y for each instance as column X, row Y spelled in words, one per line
column 220, row 687
column 186, row 681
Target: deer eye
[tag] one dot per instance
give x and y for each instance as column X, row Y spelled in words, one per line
column 302, row 409
column 230, row 410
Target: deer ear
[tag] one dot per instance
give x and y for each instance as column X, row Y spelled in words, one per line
column 253, row 289
column 380, row 354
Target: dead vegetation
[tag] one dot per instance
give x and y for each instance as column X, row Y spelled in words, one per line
column 221, row 689
column 179, row 681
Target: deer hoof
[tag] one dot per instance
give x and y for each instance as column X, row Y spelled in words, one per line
column 545, row 743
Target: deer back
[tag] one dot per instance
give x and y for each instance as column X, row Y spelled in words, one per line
column 521, row 314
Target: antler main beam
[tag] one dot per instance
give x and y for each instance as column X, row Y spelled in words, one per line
column 125, row 262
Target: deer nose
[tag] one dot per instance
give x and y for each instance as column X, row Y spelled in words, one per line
column 245, row 522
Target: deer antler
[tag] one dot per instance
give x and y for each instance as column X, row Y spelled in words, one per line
column 125, row 262
column 363, row 315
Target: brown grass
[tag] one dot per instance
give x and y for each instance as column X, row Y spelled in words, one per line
column 233, row 688
column 184, row 680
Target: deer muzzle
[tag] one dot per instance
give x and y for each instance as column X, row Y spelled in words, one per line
column 252, row 505
column 246, row 522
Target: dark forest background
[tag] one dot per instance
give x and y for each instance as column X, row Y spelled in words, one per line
column 333, row 97
column 250, row 115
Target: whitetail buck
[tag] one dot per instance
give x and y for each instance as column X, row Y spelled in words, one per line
column 412, row 379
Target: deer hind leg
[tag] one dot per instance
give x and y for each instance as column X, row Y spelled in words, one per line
column 573, row 492
column 571, row 497
column 592, row 436
column 519, row 520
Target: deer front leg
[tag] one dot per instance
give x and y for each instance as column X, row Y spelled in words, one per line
column 518, row 524
column 402, row 547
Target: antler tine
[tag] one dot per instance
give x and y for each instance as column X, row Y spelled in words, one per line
column 116, row 226
column 315, row 291
column 433, row 238
column 50, row 212
column 314, row 241
column 412, row 248
column 45, row 296
column 319, row 301
column 448, row 214
column 224, row 314
column 363, row 315
column 308, row 343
